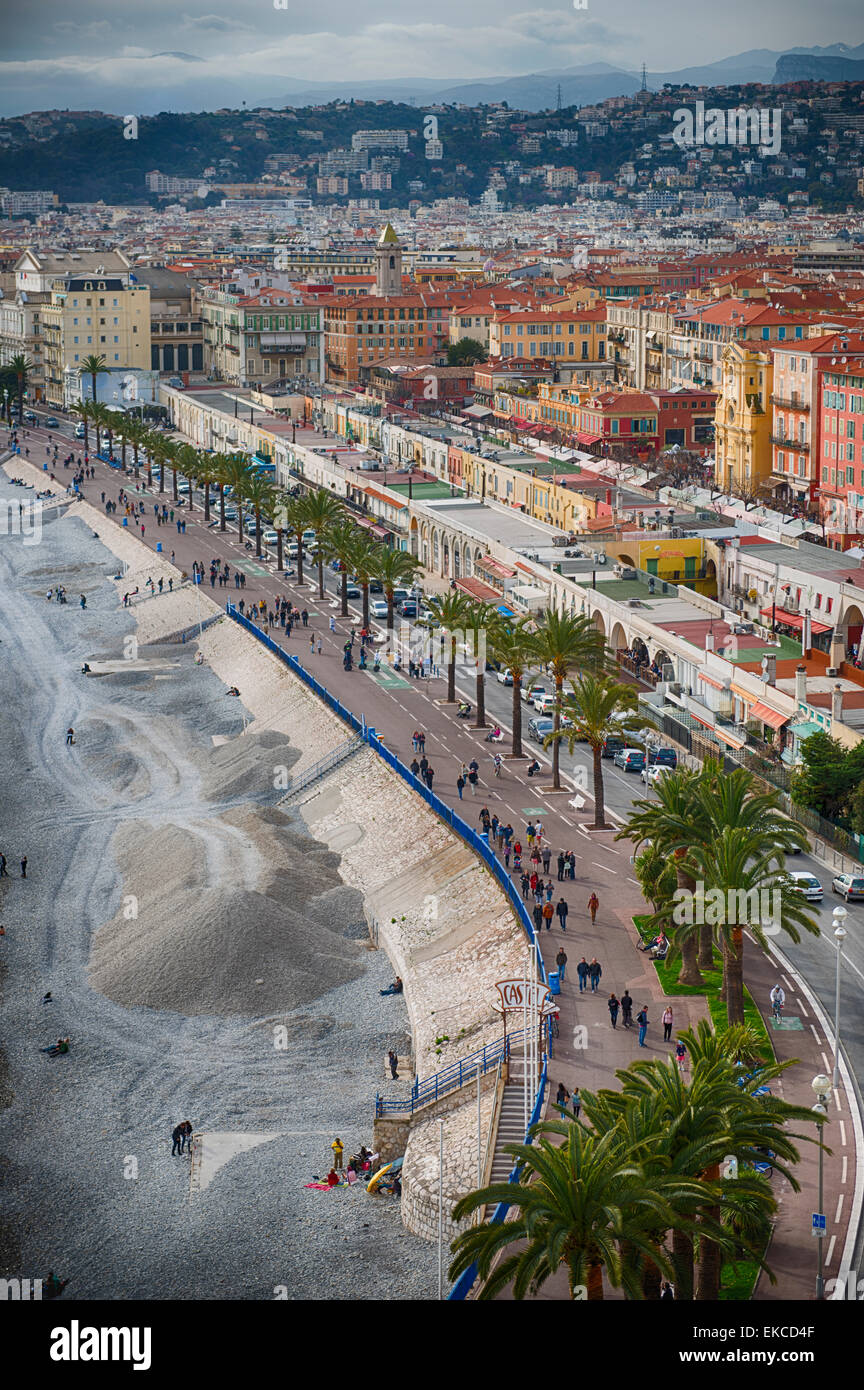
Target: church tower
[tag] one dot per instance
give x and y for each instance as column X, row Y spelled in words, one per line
column 388, row 263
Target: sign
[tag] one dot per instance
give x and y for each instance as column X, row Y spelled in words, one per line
column 818, row 1226
column 515, row 993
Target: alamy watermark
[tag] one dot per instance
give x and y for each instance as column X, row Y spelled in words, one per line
column 21, row 519
column 739, row 907
column 738, row 126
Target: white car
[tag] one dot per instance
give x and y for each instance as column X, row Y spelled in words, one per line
column 650, row 775
column 505, row 677
column 809, row 885
column 378, row 607
column 544, row 703
column 532, row 690
column 270, row 537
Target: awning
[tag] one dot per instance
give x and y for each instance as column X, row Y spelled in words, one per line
column 588, row 439
column 795, row 620
column 476, row 589
column 709, row 680
column 479, row 412
column 496, row 567
column 380, row 531
column 768, row 715
column 731, row 739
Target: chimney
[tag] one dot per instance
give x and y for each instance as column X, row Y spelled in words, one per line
column 769, row 669
column 837, row 704
column 608, row 497
column 801, row 684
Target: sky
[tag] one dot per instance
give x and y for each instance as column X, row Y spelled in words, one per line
column 151, row 55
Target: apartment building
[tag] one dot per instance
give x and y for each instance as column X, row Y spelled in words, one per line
column 743, row 420
column 577, row 335
column 261, row 338
column 176, row 329
column 841, row 432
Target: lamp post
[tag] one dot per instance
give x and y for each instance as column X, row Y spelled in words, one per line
column 839, row 914
column 821, row 1086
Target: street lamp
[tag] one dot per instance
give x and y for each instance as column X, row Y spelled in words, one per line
column 821, row 1086
column 839, row 914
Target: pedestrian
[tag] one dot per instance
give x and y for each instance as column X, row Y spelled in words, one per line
column 582, row 972
column 627, row 1009
column 186, row 1128
column 338, row 1149
column 415, row 769
column 394, row 1063
column 460, row 785
column 3, row 871
column 525, row 884
column 430, row 773
column 538, row 917
column 593, row 904
column 561, row 863
column 561, row 962
column 667, row 1023
column 415, row 740
column 332, row 623
column 548, row 890
column 614, row 1005
column 507, row 857
column 305, row 617
column 70, row 736
column 548, row 912
column 547, row 856
column 562, row 910
column 530, row 832
column 642, row 1020
column 576, row 1101
column 668, row 1291
column 421, row 741
column 472, row 780
column 594, row 972
column 24, row 867
column 424, row 763
column 571, row 864
column 177, row 1135
column 312, row 645
column 561, row 1096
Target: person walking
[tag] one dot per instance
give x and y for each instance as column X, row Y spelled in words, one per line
column 394, row 1064
column 304, row 617
column 177, row 1136
column 681, row 1056
column 472, row 779
column 667, row 1023
column 24, row 867
column 642, row 1020
column 593, row 904
column 525, row 884
column 548, row 912
column 538, row 917
column 561, row 962
column 561, row 910
column 460, row 786
column 571, row 864
column 561, row 1096
column 614, row 1006
column 627, row 1009
column 594, row 973
column 430, row 773
column 562, row 861
column 3, row 870
column 530, row 833
column 576, row 1101
column 582, row 972
column 547, row 857
column 70, row 736
column 338, row 1149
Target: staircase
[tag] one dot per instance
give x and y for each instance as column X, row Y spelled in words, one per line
column 511, row 1121
column 321, row 768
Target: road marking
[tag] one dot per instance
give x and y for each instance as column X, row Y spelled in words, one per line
column 839, row 1208
column 633, row 880
column 844, row 1168
column 815, row 1034
column 842, row 1127
column 602, row 866
column 825, row 1063
column 830, row 1251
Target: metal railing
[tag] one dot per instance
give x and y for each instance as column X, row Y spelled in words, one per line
column 451, row 1078
column 321, row 767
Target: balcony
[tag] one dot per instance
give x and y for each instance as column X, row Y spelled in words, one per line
column 786, row 404
column 799, row 446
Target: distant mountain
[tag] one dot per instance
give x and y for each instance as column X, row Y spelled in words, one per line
column 801, row 67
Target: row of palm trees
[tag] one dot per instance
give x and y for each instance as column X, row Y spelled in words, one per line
column 654, row 1181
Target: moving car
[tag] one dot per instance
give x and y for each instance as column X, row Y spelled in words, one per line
column 650, row 775
column 532, row 690
column 52, row 423
column 79, row 431
column 544, row 703
column 270, row 537
column 630, row 759
column 378, row 607
column 504, row 677
column 611, row 746
column 848, row 886
column 663, row 757
column 408, row 608
column 808, row 885
column 539, row 727
column 354, row 591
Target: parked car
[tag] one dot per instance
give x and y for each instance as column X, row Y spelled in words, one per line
column 611, row 746
column 270, row 537
column 808, row 885
column 375, row 586
column 650, row 775
column 354, row 591
column 545, row 703
column 408, row 608
column 230, row 513
column 848, row 886
column 79, row 431
column 504, row 677
column 663, row 757
column 52, row 423
column 630, row 759
column 378, row 607
column 532, row 690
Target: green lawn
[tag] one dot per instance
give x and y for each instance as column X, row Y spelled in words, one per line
column 668, row 976
column 738, row 1280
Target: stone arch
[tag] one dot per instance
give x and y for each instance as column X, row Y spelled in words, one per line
column 853, row 622
column 457, row 559
column 414, row 538
column 599, row 621
column 662, row 658
column 641, row 651
column 626, row 560
column 436, row 552
column 618, row 641
column 445, row 555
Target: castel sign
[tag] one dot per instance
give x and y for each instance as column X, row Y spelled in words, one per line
column 517, row 994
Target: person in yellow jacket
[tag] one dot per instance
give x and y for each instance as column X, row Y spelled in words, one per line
column 338, row 1149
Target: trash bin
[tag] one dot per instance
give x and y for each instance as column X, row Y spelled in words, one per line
column 125, row 521
column 554, row 982
column 158, row 547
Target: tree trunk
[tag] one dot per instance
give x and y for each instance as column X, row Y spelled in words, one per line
column 299, row 539
column 174, row 482
column 599, row 799
column 206, row 501
column 279, row 554
column 706, row 946
column 690, row 972
column 682, row 1258
column 595, row 1283
column 222, row 509
column 710, row 1259
column 517, row 717
column 257, row 534
column 651, row 1282
column 451, row 674
column 480, row 683
column 556, row 745
column 389, row 597
column 366, row 604
column 191, row 482
column 343, row 592
column 734, row 976
column 149, row 470
column 320, row 576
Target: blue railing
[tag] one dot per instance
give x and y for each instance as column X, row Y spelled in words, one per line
column 460, row 1073
column 465, row 1283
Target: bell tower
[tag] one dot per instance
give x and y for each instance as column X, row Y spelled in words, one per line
column 388, row 263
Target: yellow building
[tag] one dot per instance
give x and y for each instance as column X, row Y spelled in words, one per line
column 98, row 313
column 575, row 335
column 742, row 422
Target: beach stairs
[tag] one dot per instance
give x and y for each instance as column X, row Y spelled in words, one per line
column 320, row 769
column 511, row 1120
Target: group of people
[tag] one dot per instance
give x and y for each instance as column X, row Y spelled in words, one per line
column 4, row 872
column 363, row 1162
column 181, row 1136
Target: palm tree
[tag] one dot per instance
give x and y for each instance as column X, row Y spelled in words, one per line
column 219, row 466
column 237, row 474
column 563, row 643
column 20, row 366
column 208, row 476
column 511, row 646
column 365, row 562
column 187, row 462
column 117, row 430
column 451, row 612
column 136, row 433
column 480, row 618
column 101, row 417
column 396, row 568
column 599, row 708
column 340, row 543
column 261, row 496
column 82, row 410
column 94, row 366
column 322, row 510
column 583, row 1204
column 292, row 514
column 161, row 452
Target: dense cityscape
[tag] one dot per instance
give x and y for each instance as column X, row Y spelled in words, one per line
column 522, row 420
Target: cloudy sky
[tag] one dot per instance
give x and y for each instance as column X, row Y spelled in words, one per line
column 150, row 55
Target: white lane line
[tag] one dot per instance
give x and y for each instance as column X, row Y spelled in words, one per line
column 602, row 866
column 844, row 1168
column 839, row 1209
column 842, row 1126
column 801, row 1006
column 830, row 1251
column 826, row 1064
column 815, row 1034
column 566, row 821
column 789, row 986
column 633, row 880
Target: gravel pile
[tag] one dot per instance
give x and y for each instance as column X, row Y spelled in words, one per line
column 165, row 1013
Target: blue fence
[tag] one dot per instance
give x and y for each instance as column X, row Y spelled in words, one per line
column 450, row 1078
column 465, row 1283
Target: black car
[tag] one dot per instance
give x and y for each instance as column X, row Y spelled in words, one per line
column 662, row 757
column 375, row 586
column 611, row 746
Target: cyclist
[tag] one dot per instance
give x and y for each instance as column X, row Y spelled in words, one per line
column 497, row 763
column 778, row 999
